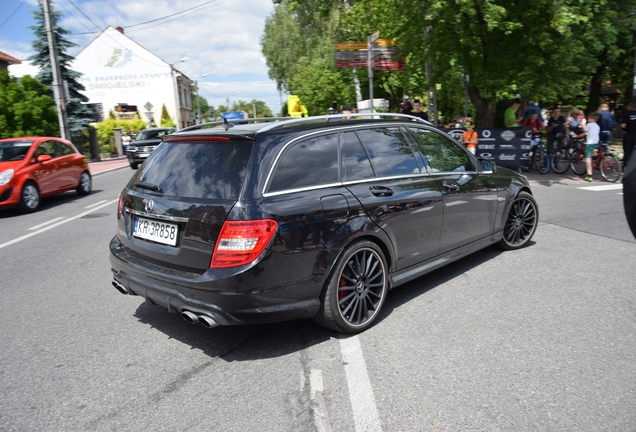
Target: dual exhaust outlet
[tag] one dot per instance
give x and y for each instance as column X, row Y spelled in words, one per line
column 204, row 320
column 190, row 317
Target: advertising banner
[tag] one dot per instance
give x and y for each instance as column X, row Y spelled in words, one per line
column 507, row 147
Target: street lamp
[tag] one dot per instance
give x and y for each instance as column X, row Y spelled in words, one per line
column 175, row 84
column 196, row 92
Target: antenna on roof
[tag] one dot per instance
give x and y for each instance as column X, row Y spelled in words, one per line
column 226, row 124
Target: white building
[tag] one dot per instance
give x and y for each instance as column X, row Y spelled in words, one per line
column 117, row 71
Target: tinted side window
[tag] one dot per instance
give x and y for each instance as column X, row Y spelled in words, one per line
column 389, row 150
column 356, row 162
column 213, row 170
column 47, row 148
column 65, row 150
column 440, row 152
column 307, row 163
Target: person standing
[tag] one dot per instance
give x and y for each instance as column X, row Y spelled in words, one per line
column 417, row 110
column 470, row 138
column 555, row 128
column 535, row 126
column 628, row 124
column 510, row 116
column 606, row 122
column 533, row 107
column 593, row 133
column 125, row 140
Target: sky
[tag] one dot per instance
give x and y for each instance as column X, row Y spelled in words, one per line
column 219, row 38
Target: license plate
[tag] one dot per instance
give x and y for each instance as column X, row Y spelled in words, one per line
column 143, row 154
column 160, row 232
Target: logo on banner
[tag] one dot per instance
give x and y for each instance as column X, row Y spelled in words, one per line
column 525, row 147
column 457, row 134
column 486, row 146
column 507, row 146
column 526, row 155
column 507, row 157
column 485, row 155
column 528, row 133
column 508, row 135
column 486, row 133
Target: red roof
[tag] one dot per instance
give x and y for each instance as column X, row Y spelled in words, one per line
column 8, row 59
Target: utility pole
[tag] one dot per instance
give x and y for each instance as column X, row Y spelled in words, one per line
column 58, row 91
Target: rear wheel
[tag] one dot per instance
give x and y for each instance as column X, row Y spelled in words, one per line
column 134, row 165
column 521, row 223
column 561, row 161
column 356, row 289
column 29, row 198
column 610, row 168
column 85, row 184
column 577, row 162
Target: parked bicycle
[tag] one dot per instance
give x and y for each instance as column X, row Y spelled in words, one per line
column 560, row 157
column 607, row 163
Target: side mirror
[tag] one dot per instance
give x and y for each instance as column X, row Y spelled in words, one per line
column 44, row 158
column 487, row 166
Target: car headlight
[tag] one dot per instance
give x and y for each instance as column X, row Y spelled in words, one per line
column 6, row 176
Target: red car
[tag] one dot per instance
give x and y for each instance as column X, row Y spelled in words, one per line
column 35, row 167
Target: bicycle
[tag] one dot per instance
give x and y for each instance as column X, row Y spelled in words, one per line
column 560, row 158
column 608, row 165
column 540, row 158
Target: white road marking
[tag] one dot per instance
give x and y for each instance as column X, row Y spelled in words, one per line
column 95, row 204
column 602, row 188
column 365, row 413
column 45, row 223
column 51, row 226
column 321, row 419
column 454, row 203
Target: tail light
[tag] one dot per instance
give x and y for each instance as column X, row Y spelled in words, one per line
column 120, row 207
column 241, row 242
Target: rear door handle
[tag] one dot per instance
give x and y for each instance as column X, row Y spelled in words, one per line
column 450, row 185
column 381, row 191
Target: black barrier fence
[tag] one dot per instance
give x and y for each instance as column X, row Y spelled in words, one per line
column 508, row 147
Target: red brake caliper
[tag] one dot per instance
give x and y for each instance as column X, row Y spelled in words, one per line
column 342, row 283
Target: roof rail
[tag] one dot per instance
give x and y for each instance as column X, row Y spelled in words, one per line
column 234, row 121
column 337, row 117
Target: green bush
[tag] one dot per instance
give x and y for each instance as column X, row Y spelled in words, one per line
column 106, row 129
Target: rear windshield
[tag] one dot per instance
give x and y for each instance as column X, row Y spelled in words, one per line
column 213, row 170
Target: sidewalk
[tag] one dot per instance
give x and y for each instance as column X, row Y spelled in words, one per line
column 107, row 165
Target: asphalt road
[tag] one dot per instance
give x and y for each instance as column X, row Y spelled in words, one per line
column 537, row 339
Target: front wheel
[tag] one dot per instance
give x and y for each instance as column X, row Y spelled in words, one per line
column 521, row 222
column 356, row 289
column 561, row 161
column 29, row 198
column 610, row 168
column 541, row 160
column 577, row 162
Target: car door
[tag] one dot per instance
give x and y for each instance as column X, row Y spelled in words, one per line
column 69, row 169
column 47, row 172
column 381, row 170
column 470, row 199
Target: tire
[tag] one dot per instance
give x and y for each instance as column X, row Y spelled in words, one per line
column 577, row 162
column 521, row 222
column 134, row 165
column 85, row 184
column 543, row 162
column 29, row 198
column 561, row 161
column 356, row 289
column 610, row 168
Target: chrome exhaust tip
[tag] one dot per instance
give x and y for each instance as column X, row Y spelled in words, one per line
column 207, row 322
column 119, row 287
column 190, row 317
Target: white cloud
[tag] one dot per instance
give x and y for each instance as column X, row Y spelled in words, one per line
column 221, row 39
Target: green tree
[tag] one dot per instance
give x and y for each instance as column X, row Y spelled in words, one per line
column 79, row 115
column 262, row 110
column 166, row 120
column 26, row 109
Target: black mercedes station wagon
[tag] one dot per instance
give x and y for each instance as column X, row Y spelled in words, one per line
column 314, row 217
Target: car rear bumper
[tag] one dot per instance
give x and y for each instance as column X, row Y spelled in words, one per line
column 231, row 300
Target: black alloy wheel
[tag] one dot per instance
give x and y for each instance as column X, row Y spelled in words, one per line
column 356, row 289
column 521, row 222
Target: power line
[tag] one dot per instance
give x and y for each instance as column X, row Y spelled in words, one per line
column 164, row 17
column 12, row 13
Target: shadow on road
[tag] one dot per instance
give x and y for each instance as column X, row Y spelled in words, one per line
column 252, row 342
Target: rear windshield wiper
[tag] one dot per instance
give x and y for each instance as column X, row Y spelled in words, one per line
column 149, row 186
